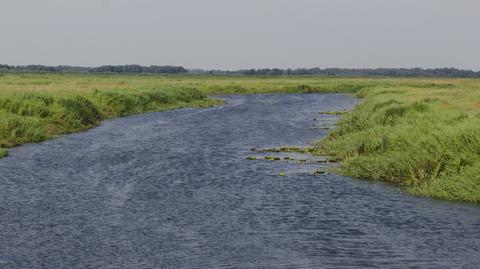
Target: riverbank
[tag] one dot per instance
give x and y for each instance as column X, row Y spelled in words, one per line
column 38, row 107
column 424, row 138
column 423, row 134
column 27, row 117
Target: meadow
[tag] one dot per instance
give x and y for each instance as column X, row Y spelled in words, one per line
column 423, row 134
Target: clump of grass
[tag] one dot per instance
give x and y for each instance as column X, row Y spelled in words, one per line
column 3, row 153
column 16, row 130
column 463, row 186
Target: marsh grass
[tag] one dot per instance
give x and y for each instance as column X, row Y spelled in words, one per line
column 33, row 116
column 427, row 139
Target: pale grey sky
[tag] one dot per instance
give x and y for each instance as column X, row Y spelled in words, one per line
column 235, row 34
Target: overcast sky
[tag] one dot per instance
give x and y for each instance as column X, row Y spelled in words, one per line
column 235, row 34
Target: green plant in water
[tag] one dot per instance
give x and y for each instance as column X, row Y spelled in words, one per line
column 3, row 153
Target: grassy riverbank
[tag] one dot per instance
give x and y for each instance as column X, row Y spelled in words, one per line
column 420, row 133
column 36, row 107
column 426, row 138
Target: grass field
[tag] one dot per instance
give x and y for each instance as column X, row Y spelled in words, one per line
column 421, row 133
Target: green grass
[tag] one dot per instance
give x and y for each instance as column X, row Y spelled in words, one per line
column 34, row 117
column 423, row 134
column 3, row 153
column 426, row 139
column 28, row 114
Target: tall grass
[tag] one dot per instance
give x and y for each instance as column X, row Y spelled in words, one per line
column 35, row 116
column 425, row 139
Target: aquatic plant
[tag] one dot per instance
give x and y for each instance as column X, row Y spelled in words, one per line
column 286, row 149
column 3, row 153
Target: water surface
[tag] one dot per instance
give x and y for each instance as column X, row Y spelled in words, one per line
column 174, row 190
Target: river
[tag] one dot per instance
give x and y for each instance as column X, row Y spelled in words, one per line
column 175, row 190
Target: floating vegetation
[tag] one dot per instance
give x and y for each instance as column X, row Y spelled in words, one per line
column 319, row 172
column 282, row 174
column 272, row 158
column 285, row 149
column 333, row 112
column 320, row 128
column 252, row 158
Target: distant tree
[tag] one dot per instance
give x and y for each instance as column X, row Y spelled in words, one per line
column 167, row 69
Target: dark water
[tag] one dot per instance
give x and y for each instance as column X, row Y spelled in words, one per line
column 174, row 190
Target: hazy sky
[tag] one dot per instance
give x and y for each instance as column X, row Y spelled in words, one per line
column 235, row 34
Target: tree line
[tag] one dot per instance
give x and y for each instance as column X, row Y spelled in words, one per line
column 350, row 72
column 116, row 69
column 326, row 72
